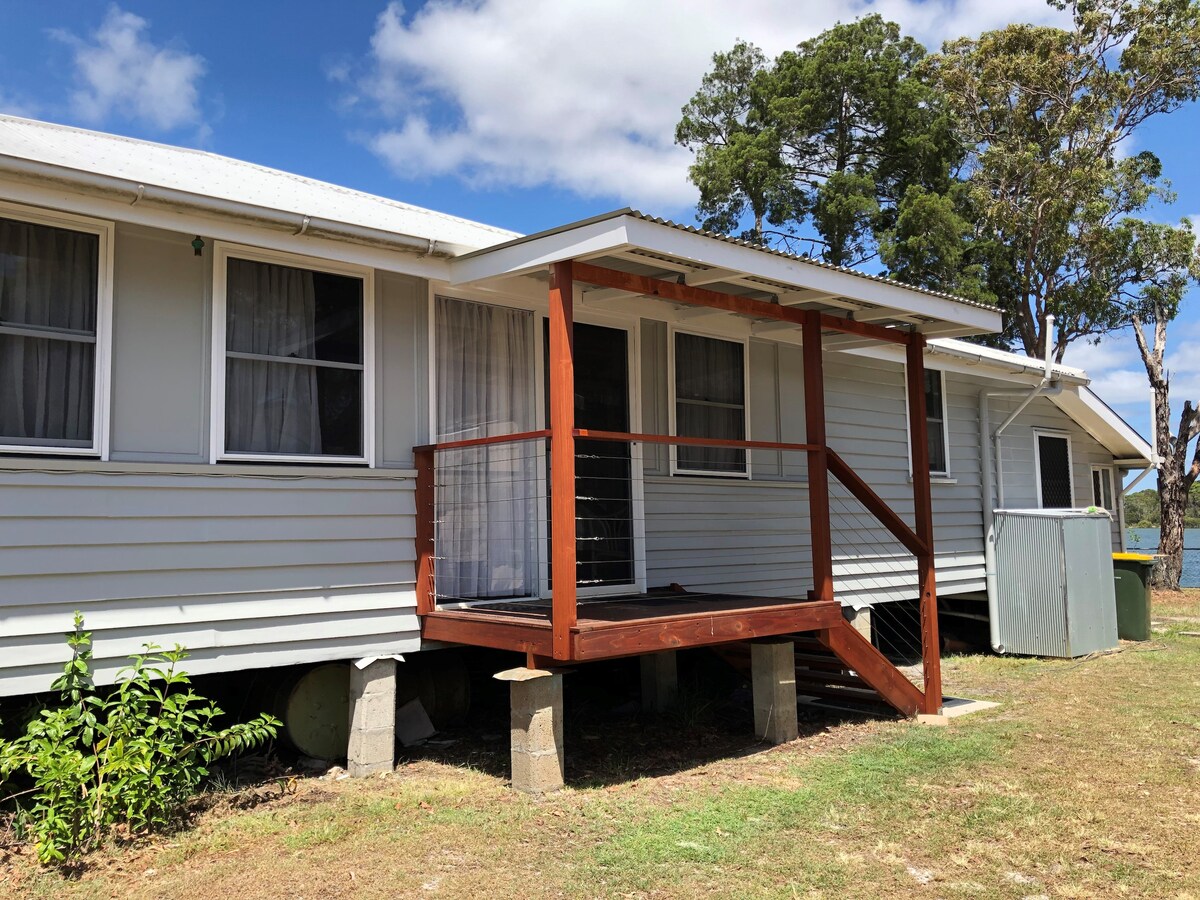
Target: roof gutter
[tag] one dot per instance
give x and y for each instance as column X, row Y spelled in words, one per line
column 296, row 223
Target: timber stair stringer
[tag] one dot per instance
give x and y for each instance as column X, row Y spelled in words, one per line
column 872, row 667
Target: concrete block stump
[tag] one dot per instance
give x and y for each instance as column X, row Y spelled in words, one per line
column 860, row 619
column 773, row 678
column 372, row 745
column 660, row 681
column 536, row 729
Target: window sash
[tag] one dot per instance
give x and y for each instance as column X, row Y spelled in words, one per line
column 1103, row 488
column 318, row 396
column 1055, row 488
column 935, row 422
column 696, row 404
column 55, row 267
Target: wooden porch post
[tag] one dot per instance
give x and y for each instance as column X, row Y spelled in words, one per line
column 562, row 457
column 923, row 520
column 818, row 462
column 424, row 459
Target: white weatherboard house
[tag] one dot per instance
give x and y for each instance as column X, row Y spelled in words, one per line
column 279, row 421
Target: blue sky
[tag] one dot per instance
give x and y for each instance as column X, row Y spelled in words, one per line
column 521, row 113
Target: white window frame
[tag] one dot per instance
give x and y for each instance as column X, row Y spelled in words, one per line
column 222, row 253
column 102, row 377
column 1038, row 434
column 933, row 473
column 1108, row 473
column 672, row 331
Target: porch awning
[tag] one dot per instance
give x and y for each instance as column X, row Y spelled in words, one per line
column 630, row 241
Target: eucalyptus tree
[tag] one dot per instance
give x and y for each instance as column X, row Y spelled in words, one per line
column 1047, row 115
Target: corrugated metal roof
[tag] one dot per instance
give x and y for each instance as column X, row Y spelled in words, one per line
column 658, row 220
column 967, row 350
column 211, row 175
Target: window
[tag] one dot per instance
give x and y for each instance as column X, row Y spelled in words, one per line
column 1054, row 471
column 1102, row 488
column 54, row 291
column 935, row 423
column 710, row 402
column 293, row 366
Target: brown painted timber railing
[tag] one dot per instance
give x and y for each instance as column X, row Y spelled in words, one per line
column 562, row 433
column 821, row 460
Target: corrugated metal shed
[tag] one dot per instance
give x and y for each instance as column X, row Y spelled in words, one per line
column 1055, row 582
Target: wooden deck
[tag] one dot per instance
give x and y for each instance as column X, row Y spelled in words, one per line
column 631, row 624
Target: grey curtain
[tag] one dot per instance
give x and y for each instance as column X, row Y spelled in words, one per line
column 271, row 407
column 487, row 497
column 48, row 309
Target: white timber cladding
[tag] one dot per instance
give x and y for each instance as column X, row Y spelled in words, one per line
column 104, row 311
column 222, row 253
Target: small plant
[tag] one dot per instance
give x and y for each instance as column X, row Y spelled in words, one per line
column 126, row 759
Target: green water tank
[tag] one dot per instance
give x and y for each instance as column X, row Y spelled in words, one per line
column 1132, row 574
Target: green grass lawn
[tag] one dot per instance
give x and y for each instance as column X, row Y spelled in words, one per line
column 1085, row 782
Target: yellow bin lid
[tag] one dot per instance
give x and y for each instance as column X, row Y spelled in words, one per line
column 1140, row 557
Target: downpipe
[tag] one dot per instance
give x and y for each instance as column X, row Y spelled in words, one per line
column 992, row 473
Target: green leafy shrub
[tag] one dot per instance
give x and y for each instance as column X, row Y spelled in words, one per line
column 125, row 759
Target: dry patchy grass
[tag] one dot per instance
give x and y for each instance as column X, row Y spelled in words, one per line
column 1085, row 783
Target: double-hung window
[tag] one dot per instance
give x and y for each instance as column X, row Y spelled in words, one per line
column 54, row 302
column 294, row 360
column 935, row 423
column 937, row 433
column 710, row 402
column 1102, row 488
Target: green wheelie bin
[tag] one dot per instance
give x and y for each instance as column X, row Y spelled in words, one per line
column 1132, row 574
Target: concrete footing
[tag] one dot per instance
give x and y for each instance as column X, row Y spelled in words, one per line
column 372, row 744
column 536, row 729
column 660, row 681
column 773, row 677
column 860, row 619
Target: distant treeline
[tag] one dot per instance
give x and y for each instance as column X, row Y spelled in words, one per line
column 1141, row 509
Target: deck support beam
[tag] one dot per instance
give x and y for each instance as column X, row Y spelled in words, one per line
column 372, row 745
column 923, row 507
column 660, row 680
column 562, row 457
column 536, row 729
column 773, row 679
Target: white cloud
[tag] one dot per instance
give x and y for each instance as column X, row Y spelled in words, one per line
column 15, row 105
column 121, row 71
column 585, row 95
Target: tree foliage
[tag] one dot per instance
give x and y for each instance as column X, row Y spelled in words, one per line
column 831, row 135
column 1045, row 115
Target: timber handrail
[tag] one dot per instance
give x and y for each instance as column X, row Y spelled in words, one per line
column 630, row 437
column 484, row 441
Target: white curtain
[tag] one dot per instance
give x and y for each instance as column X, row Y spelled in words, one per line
column 48, row 296
column 271, row 407
column 487, row 498
column 710, row 401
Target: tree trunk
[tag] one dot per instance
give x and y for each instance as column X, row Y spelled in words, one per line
column 1172, row 500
